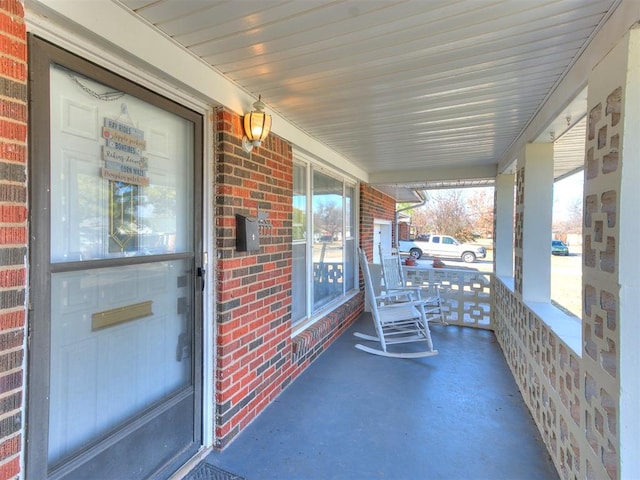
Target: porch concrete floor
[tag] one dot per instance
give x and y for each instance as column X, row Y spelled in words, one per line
column 352, row 415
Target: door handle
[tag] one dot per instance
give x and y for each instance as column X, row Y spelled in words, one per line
column 200, row 272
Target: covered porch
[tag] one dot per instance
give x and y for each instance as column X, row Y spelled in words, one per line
column 351, row 415
column 373, row 103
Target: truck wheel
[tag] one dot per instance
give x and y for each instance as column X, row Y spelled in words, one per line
column 415, row 253
column 468, row 257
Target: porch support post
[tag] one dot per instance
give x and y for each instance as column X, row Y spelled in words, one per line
column 503, row 235
column 537, row 161
column 611, row 272
column 629, row 265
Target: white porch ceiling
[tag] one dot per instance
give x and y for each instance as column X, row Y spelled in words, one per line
column 413, row 91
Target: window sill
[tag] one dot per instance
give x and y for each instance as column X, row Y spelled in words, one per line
column 568, row 328
column 300, row 327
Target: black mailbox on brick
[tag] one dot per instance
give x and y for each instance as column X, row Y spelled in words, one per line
column 247, row 234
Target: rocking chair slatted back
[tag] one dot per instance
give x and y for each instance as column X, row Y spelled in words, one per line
column 395, row 283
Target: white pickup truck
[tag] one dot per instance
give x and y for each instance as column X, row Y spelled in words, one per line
column 442, row 246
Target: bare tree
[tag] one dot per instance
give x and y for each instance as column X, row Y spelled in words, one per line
column 327, row 218
column 420, row 220
column 575, row 216
column 448, row 215
column 480, row 208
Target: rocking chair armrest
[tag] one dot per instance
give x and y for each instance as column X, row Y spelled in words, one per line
column 409, row 303
column 393, row 293
column 386, row 296
column 408, row 287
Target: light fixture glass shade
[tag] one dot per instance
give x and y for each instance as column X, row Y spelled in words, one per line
column 257, row 124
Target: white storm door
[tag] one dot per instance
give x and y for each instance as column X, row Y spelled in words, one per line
column 121, row 326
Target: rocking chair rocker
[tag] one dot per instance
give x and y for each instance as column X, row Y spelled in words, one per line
column 395, row 323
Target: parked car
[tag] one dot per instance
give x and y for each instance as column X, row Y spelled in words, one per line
column 558, row 247
column 442, row 246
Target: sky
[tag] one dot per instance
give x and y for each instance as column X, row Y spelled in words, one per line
column 565, row 194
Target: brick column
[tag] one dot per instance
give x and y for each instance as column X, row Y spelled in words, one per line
column 13, row 232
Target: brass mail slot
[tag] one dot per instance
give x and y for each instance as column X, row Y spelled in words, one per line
column 119, row 315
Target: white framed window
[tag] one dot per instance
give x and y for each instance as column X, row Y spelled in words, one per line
column 324, row 239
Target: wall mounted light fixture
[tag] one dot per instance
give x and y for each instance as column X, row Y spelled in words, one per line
column 257, row 126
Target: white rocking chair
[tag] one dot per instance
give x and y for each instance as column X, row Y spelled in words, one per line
column 395, row 284
column 395, row 323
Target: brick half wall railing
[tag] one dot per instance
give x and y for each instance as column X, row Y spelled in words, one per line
column 466, row 294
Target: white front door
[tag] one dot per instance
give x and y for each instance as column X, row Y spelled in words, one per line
column 120, row 327
column 381, row 238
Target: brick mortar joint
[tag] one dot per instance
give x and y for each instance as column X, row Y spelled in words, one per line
column 15, row 19
column 18, row 309
column 10, row 437
column 14, row 101
column 8, row 224
column 19, row 61
column 10, row 459
column 11, row 289
column 11, row 350
column 12, row 413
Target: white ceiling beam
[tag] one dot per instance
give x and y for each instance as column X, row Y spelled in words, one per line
column 432, row 174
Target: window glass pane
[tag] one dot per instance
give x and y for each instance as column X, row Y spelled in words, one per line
column 349, row 264
column 350, row 244
column 299, row 266
column 299, row 202
column 349, row 214
column 299, row 282
column 328, row 236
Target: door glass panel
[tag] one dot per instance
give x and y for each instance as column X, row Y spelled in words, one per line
column 121, row 174
column 120, row 342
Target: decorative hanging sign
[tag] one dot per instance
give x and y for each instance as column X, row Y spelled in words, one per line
column 125, row 166
column 123, row 153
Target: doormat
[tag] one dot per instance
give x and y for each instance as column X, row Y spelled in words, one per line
column 206, row 471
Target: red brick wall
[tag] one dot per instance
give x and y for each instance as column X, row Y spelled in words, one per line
column 257, row 358
column 13, row 231
column 373, row 205
column 404, row 231
column 253, row 288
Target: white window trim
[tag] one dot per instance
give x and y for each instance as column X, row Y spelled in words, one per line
column 312, row 165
